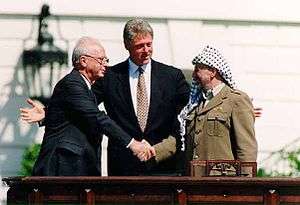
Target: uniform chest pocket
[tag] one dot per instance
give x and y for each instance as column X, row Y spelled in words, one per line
column 217, row 124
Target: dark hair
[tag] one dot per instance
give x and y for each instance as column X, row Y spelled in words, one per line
column 136, row 27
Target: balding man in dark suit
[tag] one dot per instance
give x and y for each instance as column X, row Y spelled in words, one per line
column 74, row 124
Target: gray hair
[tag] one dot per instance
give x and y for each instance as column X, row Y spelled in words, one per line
column 134, row 27
column 82, row 48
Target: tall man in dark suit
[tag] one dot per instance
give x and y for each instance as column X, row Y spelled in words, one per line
column 74, row 124
column 165, row 94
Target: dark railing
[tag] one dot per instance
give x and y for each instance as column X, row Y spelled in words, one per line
column 152, row 190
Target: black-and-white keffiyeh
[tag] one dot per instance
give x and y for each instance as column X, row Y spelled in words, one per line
column 212, row 58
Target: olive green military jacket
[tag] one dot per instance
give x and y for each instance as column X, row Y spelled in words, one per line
column 222, row 130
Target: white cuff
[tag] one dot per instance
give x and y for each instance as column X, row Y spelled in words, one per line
column 131, row 141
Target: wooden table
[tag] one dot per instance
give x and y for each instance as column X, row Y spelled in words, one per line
column 152, row 190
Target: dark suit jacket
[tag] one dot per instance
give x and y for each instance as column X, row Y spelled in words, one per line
column 74, row 126
column 169, row 93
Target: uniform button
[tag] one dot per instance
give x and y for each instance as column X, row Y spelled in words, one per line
column 198, row 131
column 199, row 118
column 196, row 156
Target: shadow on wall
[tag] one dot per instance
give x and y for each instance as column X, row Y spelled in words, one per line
column 14, row 134
column 37, row 70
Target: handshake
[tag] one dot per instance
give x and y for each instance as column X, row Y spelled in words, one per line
column 142, row 149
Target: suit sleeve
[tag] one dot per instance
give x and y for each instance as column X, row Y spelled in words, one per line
column 243, row 127
column 171, row 144
column 84, row 111
column 165, row 149
column 182, row 91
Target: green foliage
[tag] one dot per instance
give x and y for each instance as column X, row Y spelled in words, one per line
column 261, row 172
column 29, row 157
column 293, row 160
column 264, row 173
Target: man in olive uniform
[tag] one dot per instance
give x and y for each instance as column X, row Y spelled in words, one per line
column 218, row 122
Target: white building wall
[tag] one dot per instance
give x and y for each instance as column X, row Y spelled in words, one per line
column 263, row 46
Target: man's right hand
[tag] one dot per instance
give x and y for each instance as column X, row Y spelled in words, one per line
column 34, row 114
column 138, row 147
column 148, row 153
column 143, row 150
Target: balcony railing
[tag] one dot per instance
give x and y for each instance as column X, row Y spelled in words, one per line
column 153, row 190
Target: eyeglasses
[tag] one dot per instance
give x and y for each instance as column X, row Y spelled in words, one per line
column 101, row 61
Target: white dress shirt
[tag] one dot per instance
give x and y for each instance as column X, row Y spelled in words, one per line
column 86, row 81
column 133, row 80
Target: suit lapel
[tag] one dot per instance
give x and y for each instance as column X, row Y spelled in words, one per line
column 80, row 78
column 125, row 93
column 123, row 90
column 77, row 75
column 216, row 100
column 155, row 95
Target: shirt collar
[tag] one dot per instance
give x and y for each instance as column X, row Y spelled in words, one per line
column 133, row 68
column 218, row 88
column 213, row 92
column 86, row 81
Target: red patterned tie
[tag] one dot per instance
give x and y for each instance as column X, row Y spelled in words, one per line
column 142, row 100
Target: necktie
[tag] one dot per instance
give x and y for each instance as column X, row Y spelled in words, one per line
column 207, row 96
column 142, row 101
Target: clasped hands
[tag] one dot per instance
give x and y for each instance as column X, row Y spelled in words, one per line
column 142, row 149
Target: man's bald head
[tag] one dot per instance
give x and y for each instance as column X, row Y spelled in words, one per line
column 89, row 58
column 85, row 46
